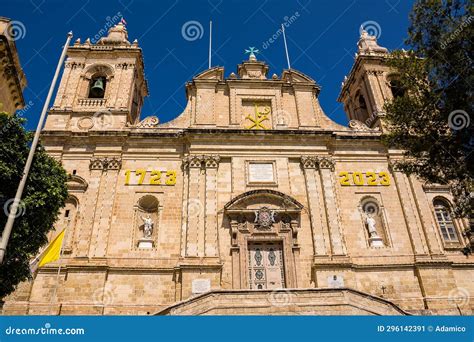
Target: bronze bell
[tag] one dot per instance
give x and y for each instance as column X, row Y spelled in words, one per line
column 97, row 90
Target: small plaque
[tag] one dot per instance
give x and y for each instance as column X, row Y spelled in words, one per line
column 201, row 286
column 261, row 173
column 145, row 243
column 335, row 281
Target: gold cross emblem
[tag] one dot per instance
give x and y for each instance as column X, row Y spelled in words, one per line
column 258, row 118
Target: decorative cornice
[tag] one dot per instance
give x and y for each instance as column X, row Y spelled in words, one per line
column 96, row 164
column 393, row 166
column 212, row 161
column 200, row 160
column 375, row 72
column 74, row 65
column 315, row 162
column 326, row 163
column 105, row 164
column 309, row 162
column 192, row 161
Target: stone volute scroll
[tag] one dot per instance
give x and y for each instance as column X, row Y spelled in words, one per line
column 149, row 122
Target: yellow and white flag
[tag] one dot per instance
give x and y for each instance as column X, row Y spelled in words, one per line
column 53, row 252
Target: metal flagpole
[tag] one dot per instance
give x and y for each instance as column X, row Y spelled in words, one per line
column 14, row 207
column 210, row 43
column 286, row 47
column 60, row 265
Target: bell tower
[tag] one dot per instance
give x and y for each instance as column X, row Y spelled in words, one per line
column 102, row 86
column 369, row 84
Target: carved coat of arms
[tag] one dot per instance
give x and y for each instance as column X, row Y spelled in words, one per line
column 264, row 217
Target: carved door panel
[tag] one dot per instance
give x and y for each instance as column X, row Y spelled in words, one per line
column 266, row 269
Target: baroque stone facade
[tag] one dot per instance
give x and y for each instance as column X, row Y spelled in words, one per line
column 12, row 78
column 252, row 201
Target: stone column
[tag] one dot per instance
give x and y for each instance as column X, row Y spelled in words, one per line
column 374, row 90
column 410, row 215
column 61, row 93
column 317, row 221
column 235, row 253
column 211, row 164
column 83, row 233
column 326, row 170
column 104, row 206
column 194, row 205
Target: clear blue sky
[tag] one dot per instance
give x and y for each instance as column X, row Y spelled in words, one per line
column 322, row 40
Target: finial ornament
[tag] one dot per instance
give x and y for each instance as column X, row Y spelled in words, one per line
column 252, row 51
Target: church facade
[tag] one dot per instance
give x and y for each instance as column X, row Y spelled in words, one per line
column 252, row 201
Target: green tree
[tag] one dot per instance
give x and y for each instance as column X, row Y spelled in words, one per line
column 44, row 195
column 431, row 120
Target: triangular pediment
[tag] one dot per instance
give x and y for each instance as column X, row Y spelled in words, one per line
column 295, row 76
column 216, row 73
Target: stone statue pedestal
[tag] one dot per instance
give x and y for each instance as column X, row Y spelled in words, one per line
column 145, row 243
column 376, row 241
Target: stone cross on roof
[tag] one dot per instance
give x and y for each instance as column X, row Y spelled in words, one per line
column 252, row 51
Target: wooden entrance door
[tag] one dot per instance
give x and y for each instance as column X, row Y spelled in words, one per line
column 266, row 269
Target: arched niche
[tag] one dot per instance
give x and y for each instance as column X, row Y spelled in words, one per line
column 146, row 208
column 374, row 221
column 68, row 218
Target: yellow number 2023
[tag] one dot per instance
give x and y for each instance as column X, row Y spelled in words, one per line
column 359, row 178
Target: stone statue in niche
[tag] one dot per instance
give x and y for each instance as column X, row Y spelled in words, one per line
column 147, row 226
column 371, row 225
column 370, row 210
